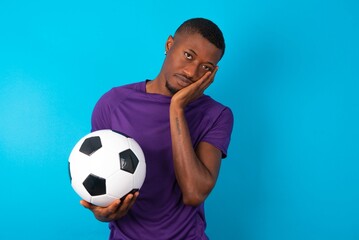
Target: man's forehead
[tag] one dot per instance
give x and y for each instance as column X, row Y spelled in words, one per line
column 198, row 44
column 187, row 35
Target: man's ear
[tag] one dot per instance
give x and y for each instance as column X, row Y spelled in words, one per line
column 169, row 43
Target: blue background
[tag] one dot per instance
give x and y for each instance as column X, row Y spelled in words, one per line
column 290, row 75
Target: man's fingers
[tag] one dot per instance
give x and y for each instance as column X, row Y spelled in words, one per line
column 86, row 204
column 126, row 203
column 113, row 207
column 115, row 210
column 208, row 77
column 135, row 195
column 213, row 74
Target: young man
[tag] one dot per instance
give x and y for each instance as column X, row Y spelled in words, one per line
column 184, row 135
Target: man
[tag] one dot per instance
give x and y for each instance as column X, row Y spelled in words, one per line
column 184, row 135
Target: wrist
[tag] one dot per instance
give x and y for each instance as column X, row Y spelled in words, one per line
column 176, row 108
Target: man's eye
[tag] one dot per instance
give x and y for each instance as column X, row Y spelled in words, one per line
column 188, row 56
column 206, row 68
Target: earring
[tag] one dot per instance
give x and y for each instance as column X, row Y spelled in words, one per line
column 165, row 52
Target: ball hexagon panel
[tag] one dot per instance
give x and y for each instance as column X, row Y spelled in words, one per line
column 80, row 168
column 103, row 200
column 119, row 183
column 104, row 163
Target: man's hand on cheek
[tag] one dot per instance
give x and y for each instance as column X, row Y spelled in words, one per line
column 194, row 90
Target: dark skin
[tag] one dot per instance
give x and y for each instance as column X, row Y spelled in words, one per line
column 188, row 70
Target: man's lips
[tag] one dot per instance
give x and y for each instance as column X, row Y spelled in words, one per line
column 184, row 81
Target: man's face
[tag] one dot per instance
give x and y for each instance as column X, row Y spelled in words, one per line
column 189, row 57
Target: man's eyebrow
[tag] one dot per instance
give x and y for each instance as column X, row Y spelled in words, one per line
column 194, row 52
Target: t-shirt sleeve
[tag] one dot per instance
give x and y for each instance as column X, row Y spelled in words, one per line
column 220, row 133
column 101, row 115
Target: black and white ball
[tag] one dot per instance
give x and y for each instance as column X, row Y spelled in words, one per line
column 105, row 165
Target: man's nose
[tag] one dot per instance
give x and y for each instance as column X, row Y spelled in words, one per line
column 191, row 71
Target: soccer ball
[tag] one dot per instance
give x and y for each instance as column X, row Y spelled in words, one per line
column 105, row 165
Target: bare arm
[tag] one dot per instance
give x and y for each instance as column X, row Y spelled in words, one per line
column 196, row 169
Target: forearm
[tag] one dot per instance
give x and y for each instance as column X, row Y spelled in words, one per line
column 194, row 178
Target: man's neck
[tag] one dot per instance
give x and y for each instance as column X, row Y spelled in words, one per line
column 157, row 86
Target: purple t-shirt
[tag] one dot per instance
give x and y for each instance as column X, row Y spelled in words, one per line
column 159, row 212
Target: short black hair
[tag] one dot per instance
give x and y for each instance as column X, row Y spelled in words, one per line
column 208, row 29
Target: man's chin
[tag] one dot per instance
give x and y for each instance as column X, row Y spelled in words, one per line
column 171, row 89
